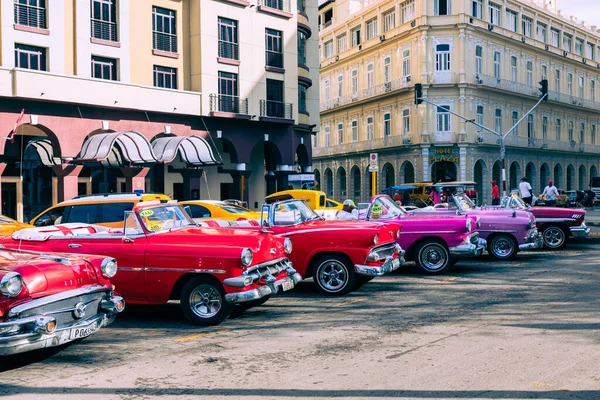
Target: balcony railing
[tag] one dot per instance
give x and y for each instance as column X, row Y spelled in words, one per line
column 274, row 59
column 276, row 109
column 164, row 42
column 539, row 143
column 104, row 30
column 228, row 104
column 282, row 5
column 384, row 88
column 30, row 16
column 362, row 146
column 228, row 50
column 504, row 84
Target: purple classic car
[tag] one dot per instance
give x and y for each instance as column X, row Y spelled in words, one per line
column 434, row 242
column 506, row 231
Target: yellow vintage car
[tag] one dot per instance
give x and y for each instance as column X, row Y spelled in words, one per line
column 9, row 225
column 562, row 200
column 314, row 198
column 219, row 210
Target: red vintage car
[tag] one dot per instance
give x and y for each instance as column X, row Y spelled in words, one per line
column 163, row 255
column 339, row 255
column 48, row 300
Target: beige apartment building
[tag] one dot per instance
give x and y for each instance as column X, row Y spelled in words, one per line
column 192, row 98
column 483, row 59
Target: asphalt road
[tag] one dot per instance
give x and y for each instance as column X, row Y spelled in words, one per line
column 528, row 329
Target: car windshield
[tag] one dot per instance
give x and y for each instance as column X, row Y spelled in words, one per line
column 293, row 212
column 164, row 218
column 513, row 201
column 461, row 201
column 383, row 207
column 232, row 208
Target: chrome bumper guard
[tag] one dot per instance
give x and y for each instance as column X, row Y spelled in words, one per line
column 581, row 231
column 533, row 241
column 390, row 264
column 271, row 287
column 468, row 248
column 40, row 331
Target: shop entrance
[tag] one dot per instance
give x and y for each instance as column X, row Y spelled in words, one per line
column 444, row 171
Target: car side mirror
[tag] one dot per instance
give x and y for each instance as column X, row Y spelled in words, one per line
column 266, row 216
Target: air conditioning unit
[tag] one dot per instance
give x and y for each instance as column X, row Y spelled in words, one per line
column 490, row 27
column 408, row 78
column 565, row 53
column 382, row 38
column 387, row 87
column 412, row 24
column 360, row 46
column 471, row 20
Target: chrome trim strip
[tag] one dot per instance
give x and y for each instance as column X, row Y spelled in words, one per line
column 497, row 230
column 58, row 297
column 130, row 269
column 198, row 271
column 555, row 219
column 327, row 229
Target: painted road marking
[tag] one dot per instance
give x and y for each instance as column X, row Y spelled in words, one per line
column 201, row 335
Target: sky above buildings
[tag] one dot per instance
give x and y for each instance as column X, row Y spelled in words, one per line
column 584, row 10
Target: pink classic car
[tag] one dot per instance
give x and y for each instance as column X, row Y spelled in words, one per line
column 507, row 231
column 434, row 242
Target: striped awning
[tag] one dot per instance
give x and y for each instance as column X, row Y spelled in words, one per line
column 43, row 146
column 193, row 150
column 117, row 149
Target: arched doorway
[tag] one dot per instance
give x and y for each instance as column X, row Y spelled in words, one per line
column 445, row 171
column 582, row 178
column 355, row 182
column 558, row 173
column 593, row 174
column 544, row 176
column 480, row 177
column 570, row 177
column 317, row 174
column 497, row 173
column 343, row 185
column 514, row 176
column 531, row 175
column 407, row 172
column 328, row 183
column 368, row 183
column 387, row 176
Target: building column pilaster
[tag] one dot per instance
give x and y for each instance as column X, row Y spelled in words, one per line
column 67, row 175
column 135, row 178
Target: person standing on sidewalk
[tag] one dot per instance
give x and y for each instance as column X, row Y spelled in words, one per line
column 525, row 189
column 550, row 191
column 495, row 194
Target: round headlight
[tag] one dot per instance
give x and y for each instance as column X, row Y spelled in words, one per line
column 287, row 245
column 469, row 225
column 11, row 284
column 108, row 267
column 376, row 239
column 398, row 233
column 246, row 257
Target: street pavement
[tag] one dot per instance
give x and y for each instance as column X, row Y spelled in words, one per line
column 525, row 329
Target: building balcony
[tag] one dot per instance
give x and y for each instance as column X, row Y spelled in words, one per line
column 229, row 51
column 164, row 42
column 104, row 30
column 31, row 16
column 45, row 86
column 228, row 106
column 540, row 144
column 363, row 146
column 365, row 94
column 270, row 109
column 280, row 8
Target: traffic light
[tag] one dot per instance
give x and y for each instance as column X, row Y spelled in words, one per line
column 544, row 89
column 418, row 93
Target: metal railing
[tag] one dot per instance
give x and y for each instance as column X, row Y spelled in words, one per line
column 104, row 30
column 444, row 77
column 228, row 50
column 386, row 87
column 282, row 5
column 542, row 144
column 30, row 16
column 504, row 84
column 164, row 42
column 276, row 109
column 532, row 142
column 363, row 146
column 228, row 104
column 274, row 59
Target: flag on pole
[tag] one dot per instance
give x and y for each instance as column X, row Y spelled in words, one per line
column 14, row 130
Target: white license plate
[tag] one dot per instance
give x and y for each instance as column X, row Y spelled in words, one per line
column 287, row 285
column 395, row 263
column 84, row 331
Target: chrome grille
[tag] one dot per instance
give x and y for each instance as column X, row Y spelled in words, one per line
column 474, row 238
column 62, row 310
column 387, row 250
column 273, row 268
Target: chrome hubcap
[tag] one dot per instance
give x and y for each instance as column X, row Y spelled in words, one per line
column 502, row 246
column 554, row 237
column 205, row 301
column 433, row 258
column 332, row 276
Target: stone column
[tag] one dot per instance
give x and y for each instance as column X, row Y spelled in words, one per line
column 271, row 181
column 135, row 178
column 192, row 180
column 425, row 159
column 462, row 151
column 67, row 175
column 240, row 185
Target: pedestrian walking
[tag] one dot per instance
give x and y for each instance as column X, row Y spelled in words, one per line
column 551, row 192
column 495, row 194
column 525, row 190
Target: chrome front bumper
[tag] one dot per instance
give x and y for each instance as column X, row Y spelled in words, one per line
column 390, row 264
column 467, row 250
column 264, row 290
column 581, row 231
column 29, row 333
column 533, row 241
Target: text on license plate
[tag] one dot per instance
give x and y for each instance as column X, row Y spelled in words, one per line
column 85, row 331
column 395, row 263
column 287, row 285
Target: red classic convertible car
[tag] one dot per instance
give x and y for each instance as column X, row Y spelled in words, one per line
column 164, row 255
column 47, row 300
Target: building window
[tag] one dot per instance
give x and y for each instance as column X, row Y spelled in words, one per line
column 354, row 130
column 329, row 49
column 31, row 13
column 387, row 124
column 408, row 11
column 593, row 133
column 593, row 90
column 275, row 106
column 479, row 116
column 581, row 89
column 515, row 118
column 405, row 63
column 389, row 20
column 370, row 76
column 326, row 89
column 541, row 32
column 326, row 136
column 544, row 128
column 442, row 57
column 497, row 64
column 589, row 50
column 557, row 80
column 356, row 36
column 340, row 131
column 570, row 84
column 511, row 20
column 228, row 39
column 579, row 47
column 228, row 92
column 477, row 9
column 555, row 37
column 567, row 40
column 342, row 44
column 301, row 48
column 354, row 76
column 530, row 133
column 558, row 128
column 302, row 100
column 570, row 131
column 30, row 57
column 498, row 120
column 529, row 66
column 443, row 118
column 164, row 34
column 582, row 133
column 371, row 27
column 513, row 68
column 478, row 59
column 527, row 23
column 441, row 7
column 495, row 14
column 340, row 85
column 406, row 122
column 279, row 5
column 165, row 77
column 387, row 69
column 104, row 20
column 104, row 68
column 544, row 72
column 274, row 49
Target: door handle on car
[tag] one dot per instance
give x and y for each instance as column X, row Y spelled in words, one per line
column 74, row 245
column 128, row 240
